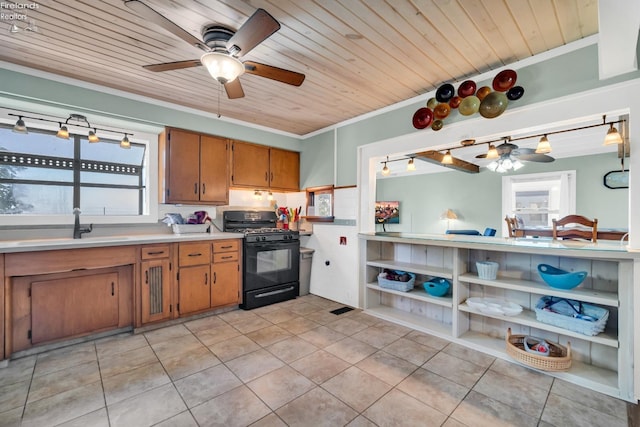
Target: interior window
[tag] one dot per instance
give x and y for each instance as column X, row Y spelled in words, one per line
column 536, row 199
column 320, row 203
column 41, row 174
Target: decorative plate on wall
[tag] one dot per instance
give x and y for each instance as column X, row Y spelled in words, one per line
column 617, row 179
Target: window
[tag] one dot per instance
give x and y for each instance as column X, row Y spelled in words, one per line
column 320, row 203
column 536, row 199
column 41, row 174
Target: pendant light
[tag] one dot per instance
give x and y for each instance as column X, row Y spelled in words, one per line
column 492, row 153
column 544, row 147
column 385, row 170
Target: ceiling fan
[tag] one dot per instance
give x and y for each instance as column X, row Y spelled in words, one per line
column 510, row 156
column 223, row 46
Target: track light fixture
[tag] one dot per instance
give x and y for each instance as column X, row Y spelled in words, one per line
column 63, row 130
column 411, row 166
column 20, row 126
column 492, row 153
column 544, row 147
column 447, row 159
column 613, row 136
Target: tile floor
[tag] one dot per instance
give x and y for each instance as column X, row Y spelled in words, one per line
column 292, row 363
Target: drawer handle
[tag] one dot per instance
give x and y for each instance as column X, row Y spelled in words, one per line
column 227, row 257
column 195, row 254
column 156, row 253
column 226, row 247
column 112, row 289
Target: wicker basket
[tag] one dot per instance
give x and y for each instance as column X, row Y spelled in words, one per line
column 559, row 358
column 564, row 311
column 396, row 285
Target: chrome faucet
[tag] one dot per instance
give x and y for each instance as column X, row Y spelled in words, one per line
column 77, row 230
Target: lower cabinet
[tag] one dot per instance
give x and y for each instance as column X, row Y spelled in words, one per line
column 155, row 294
column 208, row 275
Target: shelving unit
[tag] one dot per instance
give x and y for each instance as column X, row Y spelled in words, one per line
column 603, row 362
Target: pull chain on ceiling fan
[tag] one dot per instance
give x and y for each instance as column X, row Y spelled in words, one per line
column 223, row 47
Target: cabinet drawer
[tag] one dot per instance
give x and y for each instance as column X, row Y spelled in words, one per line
column 155, row 251
column 225, row 257
column 194, row 254
column 225, row 246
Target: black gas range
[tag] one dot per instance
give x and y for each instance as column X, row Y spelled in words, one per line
column 271, row 261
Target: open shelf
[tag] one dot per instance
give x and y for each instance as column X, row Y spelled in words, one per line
column 417, row 294
column 586, row 295
column 528, row 318
column 413, row 268
column 580, row 373
column 411, row 320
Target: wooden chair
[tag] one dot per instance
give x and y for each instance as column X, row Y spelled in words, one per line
column 588, row 229
column 512, row 225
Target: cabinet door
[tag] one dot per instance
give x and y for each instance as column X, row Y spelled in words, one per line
column 225, row 289
column 183, row 163
column 214, row 170
column 156, row 290
column 194, row 289
column 250, row 165
column 62, row 308
column 284, row 170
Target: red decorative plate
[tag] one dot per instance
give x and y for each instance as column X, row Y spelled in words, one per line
column 422, row 118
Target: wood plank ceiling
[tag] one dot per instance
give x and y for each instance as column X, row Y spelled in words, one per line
column 358, row 55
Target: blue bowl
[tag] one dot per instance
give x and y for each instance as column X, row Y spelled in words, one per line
column 437, row 287
column 560, row 279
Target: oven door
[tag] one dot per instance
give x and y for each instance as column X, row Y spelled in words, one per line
column 270, row 263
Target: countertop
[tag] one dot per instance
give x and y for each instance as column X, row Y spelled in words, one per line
column 605, row 249
column 46, row 244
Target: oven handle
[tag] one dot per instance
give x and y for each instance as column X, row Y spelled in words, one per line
column 279, row 291
column 275, row 245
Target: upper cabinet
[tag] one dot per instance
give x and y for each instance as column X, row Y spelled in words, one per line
column 262, row 167
column 196, row 168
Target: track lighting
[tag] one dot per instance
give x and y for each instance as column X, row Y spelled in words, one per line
column 93, row 137
column 124, row 143
column 20, row 126
column 613, row 136
column 385, row 170
column 63, row 132
column 447, row 159
column 411, row 166
column 544, row 147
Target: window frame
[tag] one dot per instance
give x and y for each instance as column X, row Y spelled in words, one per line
column 149, row 206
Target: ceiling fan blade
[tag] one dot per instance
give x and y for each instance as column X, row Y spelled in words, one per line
column 540, row 158
column 177, row 65
column 234, row 89
column 274, row 73
column 152, row 15
column 254, row 31
column 481, row 156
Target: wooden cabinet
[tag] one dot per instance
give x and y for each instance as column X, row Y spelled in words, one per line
column 196, row 168
column 226, row 285
column 602, row 362
column 73, row 306
column 194, row 277
column 155, row 283
column 262, row 167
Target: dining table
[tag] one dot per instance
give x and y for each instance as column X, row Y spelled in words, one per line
column 602, row 234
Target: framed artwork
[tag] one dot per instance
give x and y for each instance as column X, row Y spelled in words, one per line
column 387, row 212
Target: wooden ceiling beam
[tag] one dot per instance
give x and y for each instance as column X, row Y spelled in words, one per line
column 432, row 156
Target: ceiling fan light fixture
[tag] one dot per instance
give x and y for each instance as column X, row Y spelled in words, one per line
column 222, row 66
column 63, row 132
column 447, row 159
column 613, row 136
column 543, row 147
